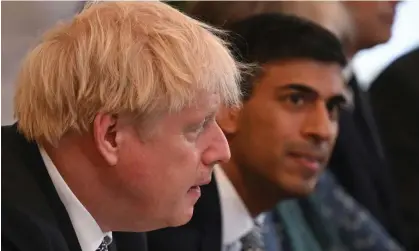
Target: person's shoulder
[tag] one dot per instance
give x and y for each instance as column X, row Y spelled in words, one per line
column 401, row 69
column 18, row 182
column 13, row 145
column 410, row 58
column 25, row 210
column 22, row 230
column 9, row 136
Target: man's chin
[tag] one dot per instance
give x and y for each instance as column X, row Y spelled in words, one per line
column 183, row 218
column 303, row 190
column 297, row 194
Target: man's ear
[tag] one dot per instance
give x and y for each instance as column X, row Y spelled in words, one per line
column 105, row 134
column 228, row 119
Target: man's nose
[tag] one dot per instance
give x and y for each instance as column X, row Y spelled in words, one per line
column 318, row 126
column 218, row 149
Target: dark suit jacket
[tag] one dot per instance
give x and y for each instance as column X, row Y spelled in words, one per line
column 359, row 165
column 33, row 216
column 202, row 233
column 394, row 98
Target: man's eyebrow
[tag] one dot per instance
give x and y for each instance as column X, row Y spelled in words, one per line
column 298, row 87
column 340, row 98
column 211, row 116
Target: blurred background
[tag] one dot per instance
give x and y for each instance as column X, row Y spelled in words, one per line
column 22, row 23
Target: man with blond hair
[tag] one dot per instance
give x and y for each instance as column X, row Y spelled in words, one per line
column 115, row 128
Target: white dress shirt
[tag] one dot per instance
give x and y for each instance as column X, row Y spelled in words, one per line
column 88, row 232
column 236, row 219
column 348, row 72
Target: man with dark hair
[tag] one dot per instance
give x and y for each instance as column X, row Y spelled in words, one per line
column 358, row 162
column 280, row 138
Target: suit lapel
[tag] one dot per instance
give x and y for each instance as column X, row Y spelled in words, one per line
column 124, row 241
column 36, row 166
column 364, row 118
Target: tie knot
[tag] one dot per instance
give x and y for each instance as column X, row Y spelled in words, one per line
column 253, row 241
column 105, row 243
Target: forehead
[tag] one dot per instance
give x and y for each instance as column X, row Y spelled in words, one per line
column 324, row 78
column 365, row 7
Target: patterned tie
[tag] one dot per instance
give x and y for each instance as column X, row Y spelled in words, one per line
column 253, row 241
column 105, row 243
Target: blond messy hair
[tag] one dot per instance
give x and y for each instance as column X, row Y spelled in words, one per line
column 120, row 58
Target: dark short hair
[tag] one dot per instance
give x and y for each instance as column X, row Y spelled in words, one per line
column 273, row 37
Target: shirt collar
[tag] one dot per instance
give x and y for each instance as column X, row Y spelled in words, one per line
column 88, row 232
column 348, row 75
column 236, row 219
column 348, row 72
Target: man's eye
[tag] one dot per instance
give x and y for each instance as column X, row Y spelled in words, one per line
column 295, row 99
column 201, row 126
column 334, row 111
column 198, row 128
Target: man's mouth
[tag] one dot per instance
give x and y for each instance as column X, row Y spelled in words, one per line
column 196, row 187
column 203, row 181
column 311, row 161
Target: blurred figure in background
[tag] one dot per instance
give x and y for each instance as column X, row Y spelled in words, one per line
column 394, row 98
column 222, row 13
column 98, row 103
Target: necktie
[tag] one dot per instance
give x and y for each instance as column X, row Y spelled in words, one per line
column 105, row 243
column 253, row 241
